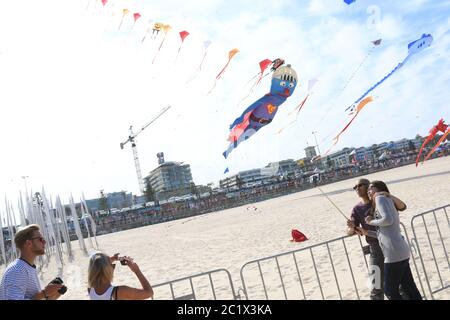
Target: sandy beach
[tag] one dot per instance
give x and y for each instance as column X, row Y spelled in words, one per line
column 230, row 238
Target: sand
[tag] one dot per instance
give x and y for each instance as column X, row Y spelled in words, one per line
column 230, row 238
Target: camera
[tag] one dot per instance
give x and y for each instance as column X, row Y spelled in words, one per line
column 58, row 280
column 123, row 261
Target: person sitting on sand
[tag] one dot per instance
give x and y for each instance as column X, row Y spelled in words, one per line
column 100, row 276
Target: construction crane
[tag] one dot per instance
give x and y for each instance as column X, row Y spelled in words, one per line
column 132, row 137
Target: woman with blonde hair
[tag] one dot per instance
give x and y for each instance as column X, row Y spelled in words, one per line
column 101, row 274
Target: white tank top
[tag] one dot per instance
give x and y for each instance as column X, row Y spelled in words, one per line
column 105, row 296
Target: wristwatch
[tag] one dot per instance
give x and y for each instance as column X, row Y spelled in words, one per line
column 45, row 294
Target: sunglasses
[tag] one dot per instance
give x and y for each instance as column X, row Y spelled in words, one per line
column 359, row 185
column 41, row 239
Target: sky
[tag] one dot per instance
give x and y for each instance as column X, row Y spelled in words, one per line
column 72, row 83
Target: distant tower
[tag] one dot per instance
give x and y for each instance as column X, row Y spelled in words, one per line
column 160, row 156
column 310, row 152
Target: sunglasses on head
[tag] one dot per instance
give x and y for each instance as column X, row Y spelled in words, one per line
column 358, row 186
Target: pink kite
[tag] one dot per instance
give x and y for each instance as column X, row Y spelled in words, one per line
column 183, row 35
column 136, row 16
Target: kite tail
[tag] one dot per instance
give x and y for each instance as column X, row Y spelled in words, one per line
column 345, row 128
column 120, row 23
column 223, row 70
column 143, row 39
column 201, row 63
column 179, row 49
column 160, row 46
column 421, row 149
column 300, row 106
column 219, row 75
column 328, row 151
column 444, row 136
column 379, row 82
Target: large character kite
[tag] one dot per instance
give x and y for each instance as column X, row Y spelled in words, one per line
column 262, row 112
column 439, row 127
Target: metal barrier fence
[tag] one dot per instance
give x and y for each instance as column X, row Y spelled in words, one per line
column 288, row 275
column 287, row 282
column 203, row 286
column 433, row 248
column 339, row 265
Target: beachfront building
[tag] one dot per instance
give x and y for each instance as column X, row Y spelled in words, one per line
column 118, row 200
column 402, row 145
column 283, row 168
column 310, row 152
column 305, row 165
column 170, row 177
column 340, row 158
column 243, row 179
column 363, row 154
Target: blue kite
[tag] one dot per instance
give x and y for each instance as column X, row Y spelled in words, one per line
column 413, row 48
column 262, row 112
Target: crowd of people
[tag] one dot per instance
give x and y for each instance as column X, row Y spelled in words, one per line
column 225, row 199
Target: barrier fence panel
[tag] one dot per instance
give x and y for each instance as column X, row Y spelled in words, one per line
column 211, row 285
column 431, row 230
column 335, row 269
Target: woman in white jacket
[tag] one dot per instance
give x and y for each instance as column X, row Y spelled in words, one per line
column 394, row 246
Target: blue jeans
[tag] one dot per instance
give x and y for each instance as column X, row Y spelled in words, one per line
column 396, row 274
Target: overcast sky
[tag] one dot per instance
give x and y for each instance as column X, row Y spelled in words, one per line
column 71, row 84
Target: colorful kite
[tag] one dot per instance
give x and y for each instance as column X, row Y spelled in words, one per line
column 360, row 106
column 166, row 28
column 183, row 35
column 439, row 127
column 263, row 65
column 413, row 48
column 263, row 111
column 231, row 54
column 441, row 140
column 136, row 16
column 156, row 29
column 124, row 13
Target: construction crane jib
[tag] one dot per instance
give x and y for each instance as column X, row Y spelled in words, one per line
column 132, row 137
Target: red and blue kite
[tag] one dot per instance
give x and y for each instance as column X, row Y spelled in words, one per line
column 262, row 112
